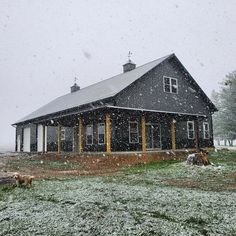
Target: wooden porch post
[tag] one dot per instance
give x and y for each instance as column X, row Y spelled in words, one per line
column 59, row 139
column 43, row 151
column 80, row 135
column 108, row 133
column 196, row 131
column 173, row 134
column 76, row 141
column 143, row 124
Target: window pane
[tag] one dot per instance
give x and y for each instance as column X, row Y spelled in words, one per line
column 206, row 130
column 133, row 127
column 101, row 128
column 89, row 139
column 190, row 126
column 101, row 138
column 191, row 134
column 173, row 81
column 89, row 130
column 167, row 80
column 63, row 134
column 134, row 138
column 167, row 84
column 167, row 88
column 174, row 88
column 133, row 132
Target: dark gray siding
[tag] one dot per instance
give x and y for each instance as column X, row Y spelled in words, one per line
column 148, row 93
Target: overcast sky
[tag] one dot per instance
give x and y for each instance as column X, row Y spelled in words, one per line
column 44, row 44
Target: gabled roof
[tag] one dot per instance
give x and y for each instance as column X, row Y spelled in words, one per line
column 105, row 89
column 98, row 91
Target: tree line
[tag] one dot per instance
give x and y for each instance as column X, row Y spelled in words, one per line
column 224, row 120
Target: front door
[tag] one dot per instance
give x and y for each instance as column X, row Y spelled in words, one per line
column 153, row 136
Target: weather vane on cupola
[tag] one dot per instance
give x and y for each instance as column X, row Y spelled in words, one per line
column 75, row 80
column 129, row 55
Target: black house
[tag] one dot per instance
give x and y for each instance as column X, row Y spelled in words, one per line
column 156, row 106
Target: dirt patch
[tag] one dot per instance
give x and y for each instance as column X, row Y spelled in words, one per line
column 64, row 165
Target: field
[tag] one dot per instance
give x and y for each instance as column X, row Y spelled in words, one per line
column 158, row 198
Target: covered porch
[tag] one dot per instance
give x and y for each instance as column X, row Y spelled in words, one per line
column 114, row 129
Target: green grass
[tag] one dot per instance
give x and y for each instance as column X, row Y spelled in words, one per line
column 5, row 190
column 225, row 157
column 158, row 165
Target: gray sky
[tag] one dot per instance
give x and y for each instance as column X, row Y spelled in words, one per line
column 45, row 44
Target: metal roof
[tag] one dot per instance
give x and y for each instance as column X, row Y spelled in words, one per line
column 98, row 91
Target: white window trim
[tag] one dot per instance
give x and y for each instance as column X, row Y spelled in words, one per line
column 192, row 122
column 204, row 130
column 87, row 135
column 63, row 130
column 102, row 133
column 131, row 122
column 170, row 84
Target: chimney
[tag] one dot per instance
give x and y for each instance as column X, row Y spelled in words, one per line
column 74, row 88
column 129, row 65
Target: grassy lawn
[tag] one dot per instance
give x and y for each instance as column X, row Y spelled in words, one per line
column 159, row 198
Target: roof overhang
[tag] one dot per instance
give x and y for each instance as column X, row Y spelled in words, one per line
column 157, row 111
column 82, row 111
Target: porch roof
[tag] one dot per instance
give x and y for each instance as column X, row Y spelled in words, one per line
column 108, row 107
column 156, row 111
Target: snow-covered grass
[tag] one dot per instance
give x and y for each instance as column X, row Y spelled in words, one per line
column 141, row 200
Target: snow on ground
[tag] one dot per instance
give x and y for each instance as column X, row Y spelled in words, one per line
column 161, row 198
column 108, row 206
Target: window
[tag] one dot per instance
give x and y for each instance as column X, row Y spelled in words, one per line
column 89, row 134
column 190, row 129
column 63, row 134
column 170, row 85
column 133, row 132
column 101, row 133
column 206, row 133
